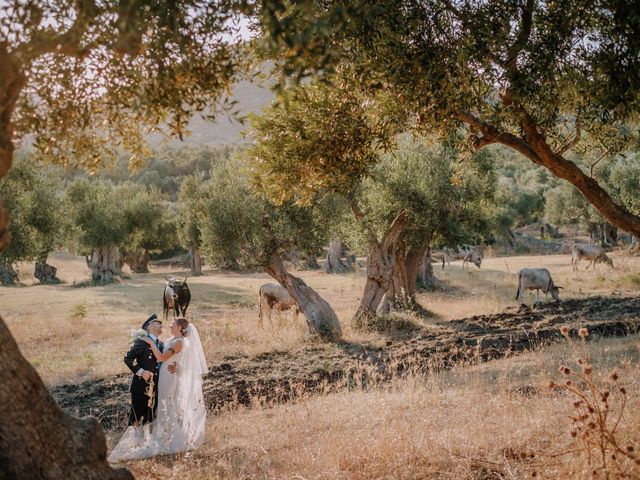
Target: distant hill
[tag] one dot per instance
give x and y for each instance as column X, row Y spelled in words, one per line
column 250, row 98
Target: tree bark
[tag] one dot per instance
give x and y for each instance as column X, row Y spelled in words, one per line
column 321, row 318
column 334, row 263
column 44, row 272
column 37, row 439
column 425, row 275
column 138, row 262
column 105, row 264
column 402, row 289
column 196, row 262
column 380, row 265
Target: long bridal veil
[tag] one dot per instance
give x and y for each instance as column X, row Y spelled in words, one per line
column 189, row 397
column 180, row 420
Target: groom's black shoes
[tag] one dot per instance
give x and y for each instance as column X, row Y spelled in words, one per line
column 140, row 356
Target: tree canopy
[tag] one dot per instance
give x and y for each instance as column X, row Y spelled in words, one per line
column 542, row 78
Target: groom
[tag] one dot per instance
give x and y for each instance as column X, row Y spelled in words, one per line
column 144, row 366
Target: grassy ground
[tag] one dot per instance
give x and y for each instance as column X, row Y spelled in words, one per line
column 71, row 333
column 489, row 421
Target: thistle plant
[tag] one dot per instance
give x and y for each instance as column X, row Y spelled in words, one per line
column 598, row 411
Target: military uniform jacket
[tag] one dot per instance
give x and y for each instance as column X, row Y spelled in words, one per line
column 141, row 356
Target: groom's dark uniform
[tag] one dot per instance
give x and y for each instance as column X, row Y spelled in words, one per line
column 140, row 356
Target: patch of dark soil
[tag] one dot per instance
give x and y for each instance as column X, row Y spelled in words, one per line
column 286, row 375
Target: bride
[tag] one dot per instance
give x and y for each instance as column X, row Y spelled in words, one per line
column 179, row 423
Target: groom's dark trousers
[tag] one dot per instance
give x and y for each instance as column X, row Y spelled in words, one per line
column 141, row 356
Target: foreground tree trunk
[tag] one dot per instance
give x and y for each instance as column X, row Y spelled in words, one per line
column 196, row 262
column 138, row 262
column 44, row 272
column 321, row 318
column 334, row 263
column 105, row 264
column 37, row 439
column 380, row 265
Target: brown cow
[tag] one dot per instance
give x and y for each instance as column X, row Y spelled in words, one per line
column 275, row 297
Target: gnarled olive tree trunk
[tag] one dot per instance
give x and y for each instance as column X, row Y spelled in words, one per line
column 426, row 278
column 44, row 272
column 37, row 439
column 320, row 316
column 105, row 264
column 196, row 262
column 138, row 262
column 380, row 266
column 402, row 289
column 333, row 262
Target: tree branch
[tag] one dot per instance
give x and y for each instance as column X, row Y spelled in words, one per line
column 523, row 37
column 67, row 43
column 394, row 231
column 491, row 134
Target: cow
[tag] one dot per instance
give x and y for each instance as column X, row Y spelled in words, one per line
column 537, row 279
column 176, row 297
column 275, row 297
column 466, row 253
column 593, row 253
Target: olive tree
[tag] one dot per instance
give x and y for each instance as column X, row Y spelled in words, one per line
column 31, row 196
column 238, row 227
column 149, row 223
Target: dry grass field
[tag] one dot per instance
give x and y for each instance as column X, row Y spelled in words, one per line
column 484, row 421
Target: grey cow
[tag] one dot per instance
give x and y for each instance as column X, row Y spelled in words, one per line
column 537, row 279
column 593, row 253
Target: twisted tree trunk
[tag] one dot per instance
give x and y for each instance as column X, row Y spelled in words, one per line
column 426, row 278
column 105, row 264
column 44, row 272
column 380, row 266
column 333, row 262
column 138, row 262
column 402, row 290
column 321, row 318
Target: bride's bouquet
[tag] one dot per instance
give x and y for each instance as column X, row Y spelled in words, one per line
column 138, row 334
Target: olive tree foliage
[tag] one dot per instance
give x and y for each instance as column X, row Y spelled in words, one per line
column 542, row 78
column 31, row 194
column 150, row 223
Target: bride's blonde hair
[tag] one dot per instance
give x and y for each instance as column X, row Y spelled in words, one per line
column 184, row 323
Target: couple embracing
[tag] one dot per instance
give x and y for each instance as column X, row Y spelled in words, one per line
column 167, row 405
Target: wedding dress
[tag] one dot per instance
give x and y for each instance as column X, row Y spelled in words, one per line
column 180, row 419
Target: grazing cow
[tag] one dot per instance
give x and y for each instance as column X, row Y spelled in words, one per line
column 176, row 297
column 593, row 253
column 466, row 253
column 275, row 297
column 537, row 279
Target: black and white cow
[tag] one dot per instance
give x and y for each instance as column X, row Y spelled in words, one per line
column 176, row 297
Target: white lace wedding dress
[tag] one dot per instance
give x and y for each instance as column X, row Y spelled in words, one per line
column 180, row 419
